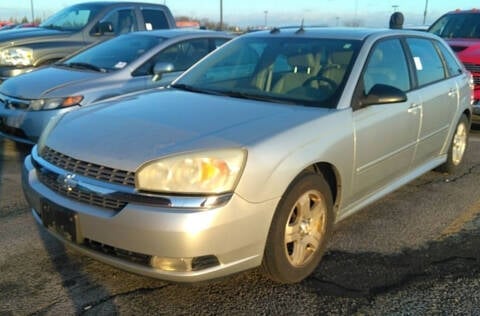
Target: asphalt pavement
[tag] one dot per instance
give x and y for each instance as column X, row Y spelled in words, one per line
column 415, row 252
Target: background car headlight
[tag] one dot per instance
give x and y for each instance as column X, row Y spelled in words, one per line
column 53, row 103
column 16, row 56
column 209, row 172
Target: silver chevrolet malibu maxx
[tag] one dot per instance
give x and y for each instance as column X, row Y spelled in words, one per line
column 253, row 155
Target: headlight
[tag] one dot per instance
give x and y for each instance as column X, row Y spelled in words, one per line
column 50, row 126
column 209, row 172
column 53, row 103
column 16, row 56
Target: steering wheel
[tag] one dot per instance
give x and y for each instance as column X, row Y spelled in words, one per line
column 320, row 78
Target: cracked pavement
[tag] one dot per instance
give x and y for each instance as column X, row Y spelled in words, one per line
column 417, row 251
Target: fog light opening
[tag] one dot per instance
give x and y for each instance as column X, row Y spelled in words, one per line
column 172, row 264
column 183, row 264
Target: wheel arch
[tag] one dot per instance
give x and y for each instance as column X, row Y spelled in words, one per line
column 331, row 176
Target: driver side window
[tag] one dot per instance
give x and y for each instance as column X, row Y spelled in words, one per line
column 122, row 21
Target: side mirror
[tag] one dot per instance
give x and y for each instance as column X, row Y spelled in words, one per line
column 384, row 94
column 160, row 68
column 102, row 28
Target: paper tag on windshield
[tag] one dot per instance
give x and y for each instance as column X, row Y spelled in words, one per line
column 148, row 26
column 418, row 63
column 120, row 65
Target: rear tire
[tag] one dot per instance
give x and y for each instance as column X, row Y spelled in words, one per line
column 300, row 229
column 457, row 148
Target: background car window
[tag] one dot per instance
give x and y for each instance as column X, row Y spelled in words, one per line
column 70, row 20
column 458, row 25
column 387, row 65
column 122, row 21
column 154, row 19
column 428, row 65
column 451, row 63
column 182, row 55
column 116, row 53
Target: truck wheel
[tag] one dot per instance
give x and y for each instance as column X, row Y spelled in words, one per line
column 300, row 230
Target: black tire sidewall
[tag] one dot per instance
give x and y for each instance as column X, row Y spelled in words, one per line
column 449, row 166
column 275, row 261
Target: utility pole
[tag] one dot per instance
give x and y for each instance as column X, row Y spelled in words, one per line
column 33, row 15
column 425, row 12
column 221, row 15
column 266, row 13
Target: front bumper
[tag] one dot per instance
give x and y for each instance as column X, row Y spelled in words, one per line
column 234, row 233
column 476, row 112
column 25, row 126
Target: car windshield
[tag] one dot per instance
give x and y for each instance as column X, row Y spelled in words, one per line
column 304, row 71
column 114, row 54
column 457, row 25
column 72, row 18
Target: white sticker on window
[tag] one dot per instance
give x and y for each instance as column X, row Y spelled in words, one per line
column 148, row 26
column 418, row 63
column 120, row 65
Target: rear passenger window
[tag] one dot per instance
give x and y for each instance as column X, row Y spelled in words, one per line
column 387, row 65
column 154, row 19
column 452, row 64
column 427, row 62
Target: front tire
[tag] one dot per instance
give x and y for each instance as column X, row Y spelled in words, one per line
column 458, row 146
column 300, row 229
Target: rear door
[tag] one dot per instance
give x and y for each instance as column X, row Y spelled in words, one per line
column 439, row 97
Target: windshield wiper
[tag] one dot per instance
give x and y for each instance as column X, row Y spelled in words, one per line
column 186, row 87
column 52, row 27
column 244, row 95
column 84, row 66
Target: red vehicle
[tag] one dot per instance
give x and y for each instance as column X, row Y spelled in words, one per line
column 461, row 29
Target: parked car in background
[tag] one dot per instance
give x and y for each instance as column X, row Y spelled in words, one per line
column 17, row 26
column 127, row 63
column 253, row 154
column 74, row 27
column 461, row 29
column 9, row 26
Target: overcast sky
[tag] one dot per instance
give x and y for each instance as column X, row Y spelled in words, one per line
column 277, row 12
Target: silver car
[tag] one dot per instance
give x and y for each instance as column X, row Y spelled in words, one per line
column 131, row 62
column 253, row 155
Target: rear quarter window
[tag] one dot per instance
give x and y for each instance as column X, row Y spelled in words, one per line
column 451, row 63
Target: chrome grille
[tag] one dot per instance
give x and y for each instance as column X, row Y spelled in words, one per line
column 87, row 169
column 472, row 67
column 50, row 180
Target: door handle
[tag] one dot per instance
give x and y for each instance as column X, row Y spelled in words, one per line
column 452, row 92
column 414, row 107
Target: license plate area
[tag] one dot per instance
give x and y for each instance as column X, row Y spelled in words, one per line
column 61, row 221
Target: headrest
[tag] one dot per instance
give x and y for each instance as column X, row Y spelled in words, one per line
column 302, row 60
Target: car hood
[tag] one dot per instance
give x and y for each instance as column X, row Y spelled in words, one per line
column 45, row 82
column 27, row 34
column 465, row 48
column 462, row 42
column 128, row 132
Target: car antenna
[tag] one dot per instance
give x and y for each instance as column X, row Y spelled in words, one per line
column 301, row 29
